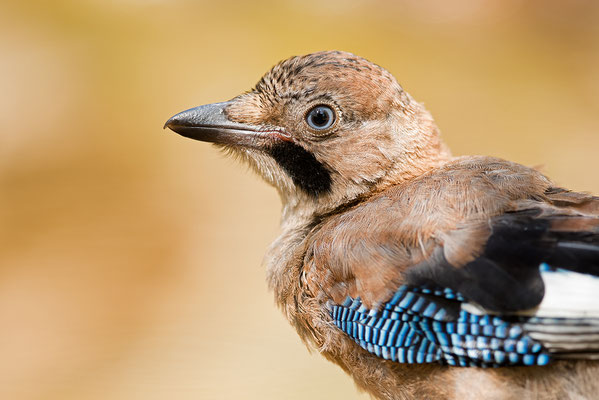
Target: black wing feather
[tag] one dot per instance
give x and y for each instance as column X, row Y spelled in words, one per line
column 506, row 276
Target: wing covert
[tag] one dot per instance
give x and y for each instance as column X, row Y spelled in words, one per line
column 425, row 325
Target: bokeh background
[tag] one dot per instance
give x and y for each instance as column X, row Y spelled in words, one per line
column 130, row 257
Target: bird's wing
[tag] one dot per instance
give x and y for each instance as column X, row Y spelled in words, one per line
column 517, row 287
column 424, row 324
column 505, row 275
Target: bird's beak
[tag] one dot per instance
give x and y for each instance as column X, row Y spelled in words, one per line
column 209, row 123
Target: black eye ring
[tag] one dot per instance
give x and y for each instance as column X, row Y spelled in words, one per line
column 321, row 117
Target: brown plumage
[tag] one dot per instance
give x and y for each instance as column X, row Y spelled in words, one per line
column 373, row 201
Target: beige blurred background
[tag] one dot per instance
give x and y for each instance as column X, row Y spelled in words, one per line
column 130, row 257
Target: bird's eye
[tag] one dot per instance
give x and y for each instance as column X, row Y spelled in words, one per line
column 320, row 117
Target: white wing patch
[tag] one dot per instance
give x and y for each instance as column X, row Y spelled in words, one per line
column 568, row 295
column 567, row 320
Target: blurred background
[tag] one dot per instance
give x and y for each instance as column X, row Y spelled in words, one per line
column 130, row 257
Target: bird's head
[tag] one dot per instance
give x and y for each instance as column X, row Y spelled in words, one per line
column 324, row 129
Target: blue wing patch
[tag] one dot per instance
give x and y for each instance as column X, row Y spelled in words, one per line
column 425, row 325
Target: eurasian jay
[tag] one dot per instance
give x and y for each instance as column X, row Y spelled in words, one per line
column 424, row 276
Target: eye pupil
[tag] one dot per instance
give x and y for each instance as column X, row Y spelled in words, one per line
column 320, row 117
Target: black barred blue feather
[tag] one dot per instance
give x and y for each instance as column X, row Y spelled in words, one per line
column 413, row 329
column 426, row 325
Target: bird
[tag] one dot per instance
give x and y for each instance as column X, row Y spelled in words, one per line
column 423, row 275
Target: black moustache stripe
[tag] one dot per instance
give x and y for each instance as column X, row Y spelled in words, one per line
column 305, row 170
